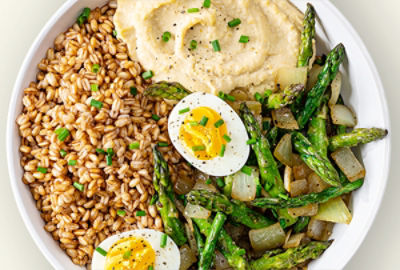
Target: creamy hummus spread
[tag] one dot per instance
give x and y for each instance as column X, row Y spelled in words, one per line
column 273, row 28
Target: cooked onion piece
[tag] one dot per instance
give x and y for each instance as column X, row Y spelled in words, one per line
column 196, row 211
column 244, row 186
column 289, row 75
column 283, row 118
column 267, row 238
column 336, row 86
column 305, row 211
column 283, row 151
column 287, row 178
column 315, row 183
column 334, row 210
column 294, row 240
column 342, row 115
column 319, row 230
column 188, row 257
column 313, row 76
column 298, row 187
column 349, row 164
column 183, row 185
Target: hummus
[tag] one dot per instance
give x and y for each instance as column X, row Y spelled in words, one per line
column 273, row 28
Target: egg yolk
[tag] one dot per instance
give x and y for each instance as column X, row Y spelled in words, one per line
column 202, row 133
column 130, row 253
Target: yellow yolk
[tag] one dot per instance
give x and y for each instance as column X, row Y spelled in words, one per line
column 203, row 141
column 130, row 253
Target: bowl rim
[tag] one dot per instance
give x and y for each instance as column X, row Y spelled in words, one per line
column 11, row 117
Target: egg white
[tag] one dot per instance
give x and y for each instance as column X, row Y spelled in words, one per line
column 167, row 258
column 237, row 151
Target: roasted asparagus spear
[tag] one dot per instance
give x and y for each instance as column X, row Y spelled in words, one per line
column 356, row 137
column 285, row 97
column 171, row 91
column 307, row 36
column 317, row 132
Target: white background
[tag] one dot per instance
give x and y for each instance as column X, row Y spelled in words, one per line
column 378, row 23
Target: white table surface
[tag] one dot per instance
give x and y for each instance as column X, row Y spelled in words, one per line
column 378, row 23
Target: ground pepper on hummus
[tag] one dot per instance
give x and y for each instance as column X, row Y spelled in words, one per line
column 231, row 44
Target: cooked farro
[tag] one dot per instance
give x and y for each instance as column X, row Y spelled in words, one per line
column 61, row 97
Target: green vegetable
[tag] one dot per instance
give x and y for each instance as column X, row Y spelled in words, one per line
column 216, row 46
column 244, row 39
column 166, row 36
column 204, row 121
column 155, row 117
column 226, row 138
column 133, row 91
column 219, row 123
column 78, row 186
column 134, row 145
column 62, row 134
column 164, row 239
column 301, row 224
column 193, row 44
column 171, row 91
column 97, row 104
column 101, row 251
column 154, row 199
column 222, row 151
column 100, row 151
column 285, row 97
column 207, row 3
column 140, row 213
column 247, row 170
column 162, row 144
column 193, row 10
column 95, row 68
column 127, row 255
column 42, row 170
column 63, row 153
column 72, row 162
column 94, row 87
column 121, row 213
column 184, row 110
column 307, row 37
column 109, row 160
column 199, row 238
column 84, row 16
column 356, row 137
column 317, row 132
column 251, row 141
column 197, row 148
column 234, row 22
column 220, row 182
column 147, row 74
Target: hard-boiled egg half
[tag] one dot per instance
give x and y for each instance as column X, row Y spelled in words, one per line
column 138, row 249
column 209, row 134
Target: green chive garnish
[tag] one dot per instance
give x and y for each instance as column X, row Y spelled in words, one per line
column 193, row 123
column 101, row 251
column 283, row 196
column 63, row 153
column 222, row 151
column 150, row 268
column 227, row 138
column 193, row 44
column 166, row 36
column 230, row 98
column 251, row 141
column 164, row 239
column 184, row 110
column 110, row 151
column 134, row 145
column 207, row 3
column 97, row 104
column 193, row 10
column 204, row 121
column 140, row 213
column 162, row 144
column 94, row 87
column 133, row 91
column 220, row 182
column 197, row 148
column 62, row 133
column 216, row 46
column 121, row 213
column 147, row 74
column 208, row 182
column 258, row 97
column 247, row 170
column 95, row 68
column 114, row 33
column 72, row 162
column 100, row 151
column 266, row 125
column 78, row 186
column 42, row 170
column 267, row 93
column 221, row 95
column 155, row 117
column 154, row 199
column 84, row 16
column 234, row 22
column 244, row 39
column 109, row 160
column 127, row 255
column 219, row 123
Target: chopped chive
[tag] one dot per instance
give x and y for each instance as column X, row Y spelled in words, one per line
column 162, row 144
column 100, row 151
column 109, row 160
column 282, row 222
column 134, row 145
column 63, row 153
column 216, row 46
column 155, row 117
column 94, row 87
column 72, row 162
column 181, row 197
column 78, row 186
column 219, row 123
column 150, row 268
column 193, row 123
column 208, row 182
column 166, row 36
column 267, row 93
column 193, row 44
column 164, row 239
column 230, row 98
column 221, row 95
column 207, row 3
column 244, row 39
column 258, row 97
column 251, row 141
column 193, row 10
column 266, row 125
column 84, row 16
column 97, row 104
column 283, row 196
column 147, row 74
column 247, row 170
column 220, row 182
column 227, row 138
column 95, row 68
column 154, row 199
column 101, row 251
column 133, row 91
column 140, row 213
column 110, row 151
column 222, row 151
column 234, row 22
column 121, row 213
column 184, row 110
column 127, row 255
column 62, row 133
column 198, row 148
column 42, row 170
column 204, row 121
column 114, row 33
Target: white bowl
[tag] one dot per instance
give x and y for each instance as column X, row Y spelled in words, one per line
column 362, row 89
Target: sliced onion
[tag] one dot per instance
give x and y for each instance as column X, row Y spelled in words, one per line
column 342, row 115
column 336, row 86
column 315, row 183
column 301, row 171
column 188, row 257
column 313, row 76
column 291, row 75
column 191, row 239
column 334, row 210
column 283, row 118
column 349, row 164
column 196, row 211
column 298, row 187
column 267, row 238
column 244, row 187
column 183, row 185
column 201, row 184
column 319, row 230
column 283, row 151
column 287, row 178
column 294, row 240
column 305, row 211
column 221, row 263
column 297, row 161
column 254, row 106
column 240, row 94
